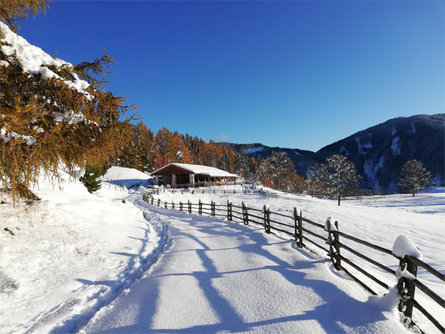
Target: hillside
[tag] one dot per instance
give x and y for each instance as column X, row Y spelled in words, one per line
column 378, row 152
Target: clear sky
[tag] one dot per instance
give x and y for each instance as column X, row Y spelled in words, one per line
column 283, row 73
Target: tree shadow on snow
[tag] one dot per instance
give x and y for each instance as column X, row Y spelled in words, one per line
column 338, row 308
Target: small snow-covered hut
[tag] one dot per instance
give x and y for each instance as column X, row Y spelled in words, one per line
column 184, row 175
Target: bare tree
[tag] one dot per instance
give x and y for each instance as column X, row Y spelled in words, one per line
column 280, row 164
column 316, row 178
column 343, row 177
column 414, row 177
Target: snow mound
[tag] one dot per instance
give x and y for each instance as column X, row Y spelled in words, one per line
column 330, row 221
column 127, row 177
column 404, row 246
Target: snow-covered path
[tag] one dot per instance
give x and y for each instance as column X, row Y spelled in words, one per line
column 218, row 276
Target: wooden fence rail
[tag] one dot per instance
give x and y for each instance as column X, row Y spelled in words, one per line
column 304, row 230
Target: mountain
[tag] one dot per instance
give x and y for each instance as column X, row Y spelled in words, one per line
column 302, row 159
column 378, row 152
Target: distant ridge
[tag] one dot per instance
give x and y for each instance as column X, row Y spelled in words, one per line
column 378, row 152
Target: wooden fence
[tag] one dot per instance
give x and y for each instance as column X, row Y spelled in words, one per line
column 203, row 190
column 329, row 239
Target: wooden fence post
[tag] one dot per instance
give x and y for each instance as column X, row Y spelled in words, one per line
column 190, row 206
column 229, row 210
column 337, row 247
column 295, row 215
column 406, row 287
column 166, row 204
column 173, row 205
column 245, row 214
column 332, row 249
column 159, row 202
column 266, row 213
column 200, row 208
column 212, row 209
column 180, row 206
column 300, row 230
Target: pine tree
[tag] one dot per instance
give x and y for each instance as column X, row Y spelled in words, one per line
column 414, row 177
column 91, row 178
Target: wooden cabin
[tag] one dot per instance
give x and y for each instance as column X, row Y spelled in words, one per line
column 185, row 175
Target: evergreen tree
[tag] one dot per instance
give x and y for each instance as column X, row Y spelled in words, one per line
column 91, row 178
column 414, row 177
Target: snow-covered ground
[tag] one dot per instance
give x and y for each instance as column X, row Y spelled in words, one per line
column 220, row 277
column 73, row 253
column 379, row 220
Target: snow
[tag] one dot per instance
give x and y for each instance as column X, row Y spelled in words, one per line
column 34, row 60
column 200, row 169
column 370, row 169
column 376, row 219
column 254, row 150
column 330, row 224
column 404, row 246
column 395, row 146
column 361, row 147
column 126, row 177
column 225, row 277
column 70, row 254
column 7, row 136
column 80, row 262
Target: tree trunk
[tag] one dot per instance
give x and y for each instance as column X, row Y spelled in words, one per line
column 339, row 200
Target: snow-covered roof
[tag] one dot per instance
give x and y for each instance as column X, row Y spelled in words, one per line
column 198, row 169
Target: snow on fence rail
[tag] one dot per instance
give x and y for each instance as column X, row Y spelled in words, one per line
column 329, row 239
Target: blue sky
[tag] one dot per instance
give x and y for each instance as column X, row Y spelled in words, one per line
column 292, row 74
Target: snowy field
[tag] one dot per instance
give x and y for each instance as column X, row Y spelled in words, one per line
column 73, row 254
column 378, row 219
